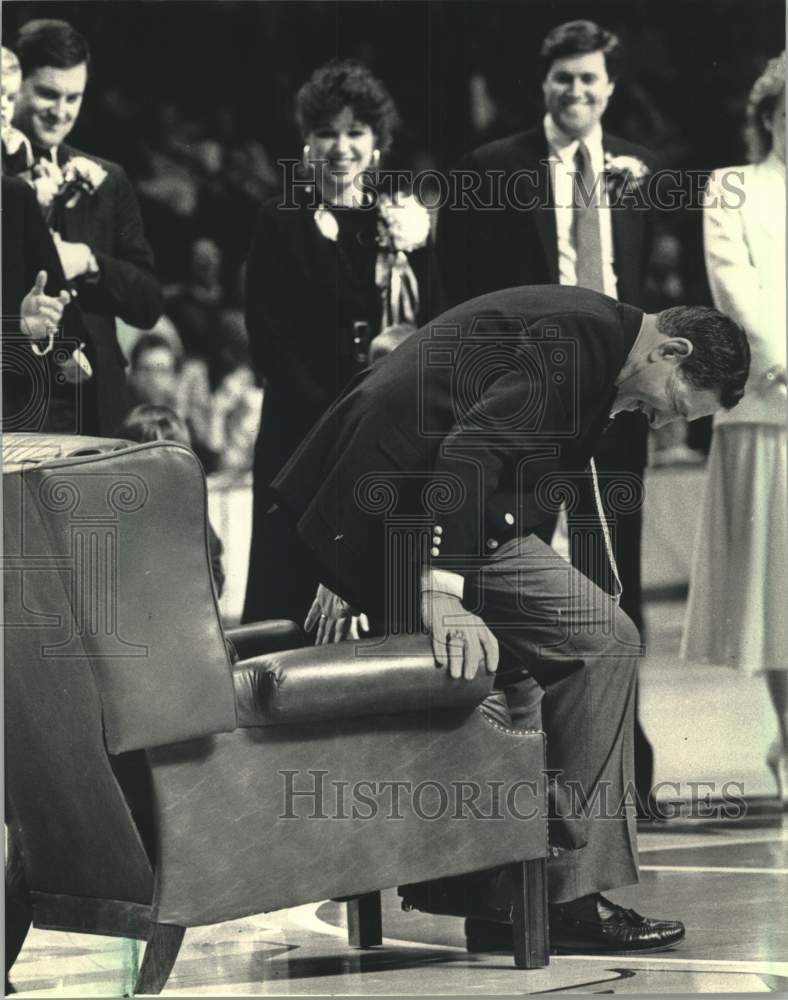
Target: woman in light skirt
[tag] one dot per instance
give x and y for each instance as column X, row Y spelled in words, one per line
column 738, row 603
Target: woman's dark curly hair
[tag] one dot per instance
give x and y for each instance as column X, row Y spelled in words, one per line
column 345, row 83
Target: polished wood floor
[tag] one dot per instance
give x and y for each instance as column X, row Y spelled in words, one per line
column 726, row 879
column 727, row 882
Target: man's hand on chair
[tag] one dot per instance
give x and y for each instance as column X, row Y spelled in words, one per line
column 335, row 619
column 460, row 640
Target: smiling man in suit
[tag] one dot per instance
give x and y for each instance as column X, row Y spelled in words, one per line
column 552, row 224
column 100, row 237
column 464, row 433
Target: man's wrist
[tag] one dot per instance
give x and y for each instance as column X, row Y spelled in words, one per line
column 443, row 580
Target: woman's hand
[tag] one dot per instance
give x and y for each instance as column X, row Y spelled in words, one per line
column 335, row 619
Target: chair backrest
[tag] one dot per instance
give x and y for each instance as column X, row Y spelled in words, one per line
column 112, row 643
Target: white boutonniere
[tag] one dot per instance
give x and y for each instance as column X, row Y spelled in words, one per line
column 80, row 176
column 327, row 224
column 625, row 171
column 403, row 223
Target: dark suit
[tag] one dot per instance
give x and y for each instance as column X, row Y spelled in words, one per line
column 31, row 389
column 481, row 250
column 433, row 439
column 109, row 222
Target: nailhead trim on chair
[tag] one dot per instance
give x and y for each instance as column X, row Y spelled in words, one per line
column 505, row 729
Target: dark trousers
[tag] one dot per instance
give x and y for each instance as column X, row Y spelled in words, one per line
column 588, row 555
column 557, row 630
column 283, row 575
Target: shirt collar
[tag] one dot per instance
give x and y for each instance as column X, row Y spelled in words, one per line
column 51, row 153
column 564, row 146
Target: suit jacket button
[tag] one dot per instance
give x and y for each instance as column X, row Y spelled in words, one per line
column 491, row 543
column 435, row 552
column 438, row 530
column 436, row 540
column 509, row 518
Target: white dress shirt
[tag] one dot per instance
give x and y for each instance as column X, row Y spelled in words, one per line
column 562, row 171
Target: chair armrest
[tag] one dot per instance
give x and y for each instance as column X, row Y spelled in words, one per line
column 349, row 679
column 258, row 638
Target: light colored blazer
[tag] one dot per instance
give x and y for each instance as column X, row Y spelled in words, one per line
column 744, row 245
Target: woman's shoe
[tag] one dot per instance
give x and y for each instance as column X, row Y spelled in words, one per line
column 777, row 761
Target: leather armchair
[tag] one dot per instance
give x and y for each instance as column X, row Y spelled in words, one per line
column 154, row 785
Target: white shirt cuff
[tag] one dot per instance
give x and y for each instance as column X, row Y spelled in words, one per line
column 444, row 581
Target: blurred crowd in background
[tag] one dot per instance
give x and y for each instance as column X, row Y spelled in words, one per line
column 198, row 110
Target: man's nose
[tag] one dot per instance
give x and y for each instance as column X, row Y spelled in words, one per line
column 60, row 108
column 576, row 87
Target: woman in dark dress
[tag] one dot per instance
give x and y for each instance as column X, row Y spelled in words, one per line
column 333, row 263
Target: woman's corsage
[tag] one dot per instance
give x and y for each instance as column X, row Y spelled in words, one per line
column 403, row 223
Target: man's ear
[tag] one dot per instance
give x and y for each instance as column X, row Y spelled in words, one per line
column 673, row 348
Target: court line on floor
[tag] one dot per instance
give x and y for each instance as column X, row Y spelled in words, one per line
column 307, row 919
column 710, row 964
column 714, row 870
column 712, row 840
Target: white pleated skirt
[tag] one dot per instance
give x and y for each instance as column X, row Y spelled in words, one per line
column 737, row 613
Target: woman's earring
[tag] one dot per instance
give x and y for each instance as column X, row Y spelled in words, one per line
column 308, row 167
column 375, row 160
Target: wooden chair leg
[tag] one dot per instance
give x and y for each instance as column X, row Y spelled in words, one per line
column 164, row 942
column 529, row 917
column 364, row 921
column 18, row 908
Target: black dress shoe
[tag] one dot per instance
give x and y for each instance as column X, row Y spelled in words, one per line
column 599, row 925
column 595, row 926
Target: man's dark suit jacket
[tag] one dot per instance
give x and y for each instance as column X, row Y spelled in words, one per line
column 480, row 250
column 467, row 416
column 483, row 249
column 109, row 222
column 27, row 249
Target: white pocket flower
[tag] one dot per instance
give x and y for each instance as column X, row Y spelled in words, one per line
column 626, row 167
column 85, row 171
